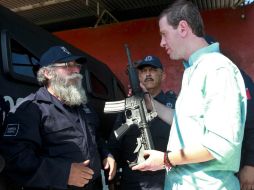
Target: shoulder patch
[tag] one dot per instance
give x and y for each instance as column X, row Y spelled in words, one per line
column 248, row 94
column 169, row 105
column 171, row 94
column 11, row 130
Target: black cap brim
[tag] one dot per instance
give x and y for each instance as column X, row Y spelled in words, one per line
column 140, row 66
column 79, row 59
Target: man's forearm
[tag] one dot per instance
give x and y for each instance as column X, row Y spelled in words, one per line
column 165, row 113
column 190, row 155
column 156, row 159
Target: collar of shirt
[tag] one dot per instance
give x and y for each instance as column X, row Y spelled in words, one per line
column 208, row 49
column 159, row 96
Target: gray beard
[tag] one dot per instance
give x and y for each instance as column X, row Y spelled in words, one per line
column 69, row 89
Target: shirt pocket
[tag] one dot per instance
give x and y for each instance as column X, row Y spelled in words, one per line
column 191, row 104
column 61, row 130
column 53, row 125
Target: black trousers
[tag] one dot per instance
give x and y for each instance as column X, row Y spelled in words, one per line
column 94, row 185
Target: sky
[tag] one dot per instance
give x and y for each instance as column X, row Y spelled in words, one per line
column 248, row 1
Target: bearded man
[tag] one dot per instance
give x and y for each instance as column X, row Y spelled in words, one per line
column 49, row 140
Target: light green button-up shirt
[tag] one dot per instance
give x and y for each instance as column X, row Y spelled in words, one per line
column 210, row 110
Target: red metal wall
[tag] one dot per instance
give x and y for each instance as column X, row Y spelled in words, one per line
column 106, row 43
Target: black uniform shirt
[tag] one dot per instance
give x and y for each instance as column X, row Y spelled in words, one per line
column 42, row 137
column 124, row 148
column 248, row 139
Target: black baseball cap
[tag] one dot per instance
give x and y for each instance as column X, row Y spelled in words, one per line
column 59, row 54
column 150, row 60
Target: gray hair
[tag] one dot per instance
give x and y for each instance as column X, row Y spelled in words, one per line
column 42, row 80
column 184, row 10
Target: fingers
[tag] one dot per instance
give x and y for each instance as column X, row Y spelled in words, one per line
column 110, row 164
column 129, row 91
column 112, row 170
column 153, row 162
column 86, row 169
column 246, row 177
column 141, row 167
column 80, row 174
column 112, row 174
column 106, row 165
column 80, row 184
column 86, row 175
column 247, row 187
column 142, row 86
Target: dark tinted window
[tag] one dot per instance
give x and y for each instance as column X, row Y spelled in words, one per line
column 23, row 61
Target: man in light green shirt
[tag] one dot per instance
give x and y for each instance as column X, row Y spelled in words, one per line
column 208, row 122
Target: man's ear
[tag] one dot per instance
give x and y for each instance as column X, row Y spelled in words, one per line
column 183, row 28
column 47, row 74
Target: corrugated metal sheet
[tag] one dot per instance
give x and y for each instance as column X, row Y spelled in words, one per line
column 55, row 11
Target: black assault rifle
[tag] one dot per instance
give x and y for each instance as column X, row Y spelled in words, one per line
column 136, row 113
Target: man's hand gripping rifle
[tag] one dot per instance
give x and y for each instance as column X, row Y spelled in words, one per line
column 136, row 113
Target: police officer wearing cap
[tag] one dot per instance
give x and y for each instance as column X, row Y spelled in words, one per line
column 49, row 140
column 151, row 75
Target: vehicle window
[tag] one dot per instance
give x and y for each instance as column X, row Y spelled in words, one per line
column 23, row 61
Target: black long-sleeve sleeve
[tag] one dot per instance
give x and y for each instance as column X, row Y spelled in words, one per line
column 21, row 146
column 115, row 144
column 248, row 139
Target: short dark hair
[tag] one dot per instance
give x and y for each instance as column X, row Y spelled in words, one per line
column 184, row 10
